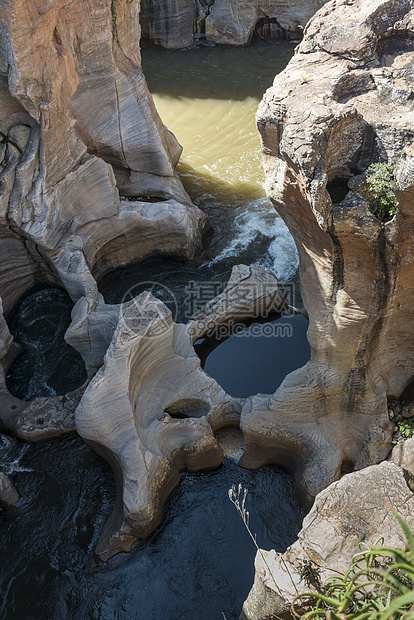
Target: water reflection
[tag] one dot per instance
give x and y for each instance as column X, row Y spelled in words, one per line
column 259, row 357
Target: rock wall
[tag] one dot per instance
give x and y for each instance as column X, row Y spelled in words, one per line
column 87, row 168
column 178, row 24
column 343, row 102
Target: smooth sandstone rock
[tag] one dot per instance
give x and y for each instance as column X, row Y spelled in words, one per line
column 87, row 168
column 251, row 293
column 151, row 411
column 80, row 129
column 326, row 119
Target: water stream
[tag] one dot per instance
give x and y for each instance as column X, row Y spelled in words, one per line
column 208, row 98
column 199, row 563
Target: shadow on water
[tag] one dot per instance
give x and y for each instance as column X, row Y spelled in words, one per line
column 198, row 564
column 206, row 189
column 257, row 358
column 216, row 72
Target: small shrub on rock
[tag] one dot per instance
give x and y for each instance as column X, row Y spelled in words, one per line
column 381, row 196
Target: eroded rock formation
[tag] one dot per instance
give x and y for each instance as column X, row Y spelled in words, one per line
column 251, row 292
column 151, row 410
column 179, row 23
column 327, row 117
column 87, row 168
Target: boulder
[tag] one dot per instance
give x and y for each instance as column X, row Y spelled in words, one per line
column 251, row 293
column 353, row 512
column 9, row 495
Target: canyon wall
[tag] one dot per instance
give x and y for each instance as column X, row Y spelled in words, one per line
column 178, row 24
column 343, row 102
column 87, row 168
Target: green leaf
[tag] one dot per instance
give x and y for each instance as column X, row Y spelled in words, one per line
column 397, row 604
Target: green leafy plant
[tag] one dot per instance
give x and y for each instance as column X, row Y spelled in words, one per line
column 406, row 427
column 381, row 196
column 377, row 586
column 310, row 43
column 115, row 14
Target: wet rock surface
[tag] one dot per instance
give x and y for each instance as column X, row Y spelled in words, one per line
column 9, row 495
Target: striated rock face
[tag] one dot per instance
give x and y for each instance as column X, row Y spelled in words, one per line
column 80, row 128
column 150, row 411
column 87, row 168
column 343, row 102
column 357, row 509
column 179, row 23
column 251, row 292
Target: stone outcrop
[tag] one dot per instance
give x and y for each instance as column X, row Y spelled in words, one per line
column 151, row 411
column 79, row 129
column 87, row 168
column 327, row 117
column 251, row 292
column 357, row 509
column 177, row 24
column 9, row 495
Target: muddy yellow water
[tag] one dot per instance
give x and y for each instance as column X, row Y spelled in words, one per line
column 208, row 98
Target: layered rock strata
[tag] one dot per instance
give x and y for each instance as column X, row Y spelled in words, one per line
column 75, row 141
column 150, row 409
column 178, row 24
column 87, row 168
column 343, row 102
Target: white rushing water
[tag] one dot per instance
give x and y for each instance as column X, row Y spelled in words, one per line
column 208, row 98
